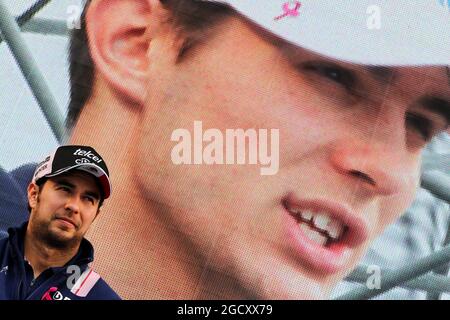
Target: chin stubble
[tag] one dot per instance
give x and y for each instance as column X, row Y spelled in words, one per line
column 43, row 233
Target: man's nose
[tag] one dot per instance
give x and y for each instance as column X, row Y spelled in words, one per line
column 378, row 167
column 73, row 204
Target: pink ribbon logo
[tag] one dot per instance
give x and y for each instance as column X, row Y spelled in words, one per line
column 290, row 11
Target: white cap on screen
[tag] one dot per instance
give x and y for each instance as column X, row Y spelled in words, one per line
column 376, row 32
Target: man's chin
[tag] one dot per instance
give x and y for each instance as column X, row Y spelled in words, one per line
column 279, row 280
column 60, row 239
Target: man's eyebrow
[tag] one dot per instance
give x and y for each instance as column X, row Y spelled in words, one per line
column 64, row 182
column 381, row 74
column 437, row 105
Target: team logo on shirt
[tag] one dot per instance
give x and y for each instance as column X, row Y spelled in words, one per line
column 54, row 294
column 4, row 270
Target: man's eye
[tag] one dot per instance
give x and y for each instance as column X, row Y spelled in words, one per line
column 420, row 124
column 65, row 189
column 337, row 74
column 90, row 199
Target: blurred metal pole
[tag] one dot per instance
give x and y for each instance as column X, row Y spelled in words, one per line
column 36, row 81
column 437, row 183
column 401, row 275
column 432, row 283
column 47, row 27
column 441, row 271
column 29, row 13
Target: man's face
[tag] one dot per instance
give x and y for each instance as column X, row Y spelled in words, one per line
column 64, row 208
column 350, row 147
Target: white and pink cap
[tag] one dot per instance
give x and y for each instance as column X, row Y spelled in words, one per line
column 369, row 32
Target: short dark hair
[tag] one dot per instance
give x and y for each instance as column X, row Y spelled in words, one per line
column 192, row 18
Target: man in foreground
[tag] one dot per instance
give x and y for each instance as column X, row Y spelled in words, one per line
column 47, row 258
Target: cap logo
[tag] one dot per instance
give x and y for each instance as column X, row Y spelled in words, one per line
column 82, row 161
column 291, row 9
column 88, row 154
column 46, row 160
column 40, row 169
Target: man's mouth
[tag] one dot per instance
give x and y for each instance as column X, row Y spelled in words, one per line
column 322, row 232
column 319, row 227
column 67, row 220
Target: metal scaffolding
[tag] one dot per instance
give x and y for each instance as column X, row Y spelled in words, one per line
column 428, row 282
column 400, row 276
column 12, row 35
column 415, row 276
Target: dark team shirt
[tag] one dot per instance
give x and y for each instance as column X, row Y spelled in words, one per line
column 74, row 281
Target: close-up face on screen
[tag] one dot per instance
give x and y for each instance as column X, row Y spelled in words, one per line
column 224, row 150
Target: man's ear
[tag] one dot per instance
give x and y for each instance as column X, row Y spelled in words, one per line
column 119, row 33
column 32, row 192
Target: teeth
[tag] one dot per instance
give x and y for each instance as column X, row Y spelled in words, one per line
column 295, row 211
column 307, row 215
column 335, row 229
column 304, row 227
column 313, row 235
column 321, row 220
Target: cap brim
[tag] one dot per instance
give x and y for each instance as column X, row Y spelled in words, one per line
column 103, row 178
column 409, row 33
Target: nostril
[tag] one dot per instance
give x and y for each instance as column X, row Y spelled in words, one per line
column 363, row 176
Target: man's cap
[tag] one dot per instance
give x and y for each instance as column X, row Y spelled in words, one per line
column 72, row 157
column 370, row 32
